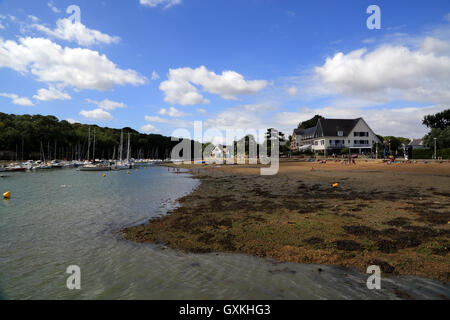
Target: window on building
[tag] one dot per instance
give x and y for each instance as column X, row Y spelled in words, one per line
column 340, row 133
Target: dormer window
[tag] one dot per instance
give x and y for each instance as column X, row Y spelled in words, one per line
column 340, row 133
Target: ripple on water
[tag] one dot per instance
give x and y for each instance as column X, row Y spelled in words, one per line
column 44, row 228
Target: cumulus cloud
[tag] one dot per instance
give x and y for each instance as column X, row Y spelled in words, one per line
column 391, row 73
column 107, row 104
column 51, row 94
column 97, row 114
column 241, row 120
column 155, row 75
column 164, row 3
column 173, row 112
column 180, row 89
column 200, row 110
column 71, row 121
column 149, row 128
column 77, row 32
column 51, row 63
column 20, row 101
column 33, row 18
column 52, row 6
column 292, row 91
column 156, row 119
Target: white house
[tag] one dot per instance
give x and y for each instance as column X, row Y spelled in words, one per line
column 417, row 144
column 332, row 135
column 217, row 152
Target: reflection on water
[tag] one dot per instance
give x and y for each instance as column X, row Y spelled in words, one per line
column 66, row 217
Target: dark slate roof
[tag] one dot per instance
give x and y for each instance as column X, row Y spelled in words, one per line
column 416, row 142
column 330, row 127
column 309, row 131
column 298, row 131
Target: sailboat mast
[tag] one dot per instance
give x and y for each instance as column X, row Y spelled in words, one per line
column 128, row 149
column 121, row 145
column 93, row 152
column 89, row 143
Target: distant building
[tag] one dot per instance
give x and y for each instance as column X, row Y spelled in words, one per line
column 417, row 144
column 217, row 152
column 332, row 135
column 294, row 146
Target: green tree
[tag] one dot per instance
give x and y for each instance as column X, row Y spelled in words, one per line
column 310, row 123
column 442, row 138
column 70, row 141
column 439, row 120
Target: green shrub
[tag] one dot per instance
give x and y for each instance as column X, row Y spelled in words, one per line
column 429, row 153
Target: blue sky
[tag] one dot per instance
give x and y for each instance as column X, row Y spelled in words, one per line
column 158, row 65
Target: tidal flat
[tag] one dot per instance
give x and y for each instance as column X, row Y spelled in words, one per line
column 395, row 216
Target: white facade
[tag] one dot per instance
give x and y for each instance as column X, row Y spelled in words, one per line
column 360, row 138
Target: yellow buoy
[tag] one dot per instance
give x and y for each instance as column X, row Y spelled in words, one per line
column 128, row 172
column 104, row 174
column 335, row 185
column 137, row 170
column 7, row 195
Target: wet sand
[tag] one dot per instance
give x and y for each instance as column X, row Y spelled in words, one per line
column 395, row 216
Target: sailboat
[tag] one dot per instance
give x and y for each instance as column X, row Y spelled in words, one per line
column 120, row 165
column 43, row 165
column 94, row 166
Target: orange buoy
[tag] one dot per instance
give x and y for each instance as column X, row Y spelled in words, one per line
column 335, row 185
column 7, row 195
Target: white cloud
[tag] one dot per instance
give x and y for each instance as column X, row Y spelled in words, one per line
column 239, row 121
column 2, row 17
column 291, row 13
column 51, row 94
column 21, row 101
column 155, row 75
column 78, row 32
column 173, row 112
column 33, row 18
column 97, row 114
column 154, row 3
column 292, row 91
column 156, row 119
column 149, row 128
column 368, row 40
column 200, row 110
column 391, row 73
column 52, row 6
column 51, row 63
column 180, row 89
column 447, row 17
column 71, row 121
column 107, row 104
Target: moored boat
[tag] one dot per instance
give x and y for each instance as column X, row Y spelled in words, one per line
column 95, row 167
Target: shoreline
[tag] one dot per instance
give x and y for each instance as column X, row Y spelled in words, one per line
column 400, row 224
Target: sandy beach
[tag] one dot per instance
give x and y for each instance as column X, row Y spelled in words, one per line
column 396, row 216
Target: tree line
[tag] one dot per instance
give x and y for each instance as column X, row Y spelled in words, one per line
column 37, row 136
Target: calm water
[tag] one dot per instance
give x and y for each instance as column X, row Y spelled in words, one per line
column 46, row 227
